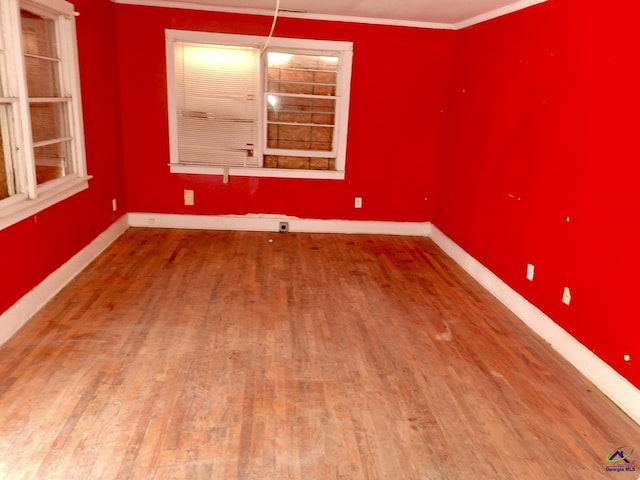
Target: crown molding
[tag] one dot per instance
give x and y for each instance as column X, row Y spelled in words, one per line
column 498, row 12
column 300, row 15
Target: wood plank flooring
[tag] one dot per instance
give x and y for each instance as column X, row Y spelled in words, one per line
column 238, row 355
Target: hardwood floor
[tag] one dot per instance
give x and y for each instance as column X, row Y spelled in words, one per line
column 235, row 355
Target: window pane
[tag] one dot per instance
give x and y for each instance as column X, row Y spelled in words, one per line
column 7, row 178
column 300, row 123
column 298, row 117
column 302, row 74
column 301, row 109
column 41, row 59
column 38, row 35
column 48, row 121
column 297, row 137
column 52, row 161
column 4, row 181
column 42, row 77
column 299, row 163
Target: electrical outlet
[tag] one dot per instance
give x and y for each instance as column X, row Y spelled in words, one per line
column 566, row 296
column 530, row 272
column 358, row 202
column 114, row 205
column 189, row 197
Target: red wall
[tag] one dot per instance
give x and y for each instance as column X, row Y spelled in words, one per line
column 35, row 247
column 399, row 88
column 533, row 123
column 542, row 127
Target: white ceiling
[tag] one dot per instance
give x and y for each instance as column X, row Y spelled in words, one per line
column 437, row 13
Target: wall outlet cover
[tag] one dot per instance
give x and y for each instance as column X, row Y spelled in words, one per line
column 566, row 296
column 189, row 198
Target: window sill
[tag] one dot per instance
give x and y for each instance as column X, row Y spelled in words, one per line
column 19, row 207
column 256, row 172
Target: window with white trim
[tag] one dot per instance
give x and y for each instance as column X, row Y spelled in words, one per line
column 241, row 106
column 42, row 158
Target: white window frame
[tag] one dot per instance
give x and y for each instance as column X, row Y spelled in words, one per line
column 31, row 198
column 342, row 49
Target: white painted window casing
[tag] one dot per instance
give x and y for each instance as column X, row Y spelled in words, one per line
column 45, row 129
column 218, row 117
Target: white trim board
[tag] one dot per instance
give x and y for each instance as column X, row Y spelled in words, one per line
column 21, row 312
column 611, row 383
column 270, row 223
column 498, row 12
column 302, row 15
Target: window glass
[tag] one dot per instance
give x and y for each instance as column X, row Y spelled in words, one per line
column 4, row 164
column 300, row 123
column 41, row 62
column 301, row 110
column 52, row 161
column 42, row 77
column 49, row 119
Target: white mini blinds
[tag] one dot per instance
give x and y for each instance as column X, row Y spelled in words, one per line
column 238, row 107
column 217, row 104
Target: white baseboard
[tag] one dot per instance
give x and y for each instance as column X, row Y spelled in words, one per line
column 611, row 383
column 269, row 223
column 20, row 312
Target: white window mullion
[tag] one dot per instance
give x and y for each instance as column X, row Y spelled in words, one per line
column 53, row 141
column 25, row 154
column 260, row 113
column 50, row 100
column 300, row 153
column 172, row 93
